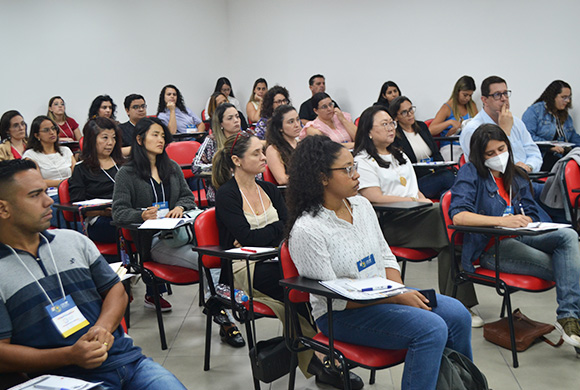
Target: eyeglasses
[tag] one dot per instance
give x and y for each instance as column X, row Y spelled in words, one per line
column 18, row 125
column 281, row 102
column 326, row 106
column 567, row 98
column 139, row 107
column 350, row 170
column 408, row 112
column 388, row 125
column 49, row 130
column 498, row 95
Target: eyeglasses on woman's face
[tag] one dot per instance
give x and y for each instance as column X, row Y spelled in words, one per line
column 408, row 112
column 350, row 170
column 47, row 130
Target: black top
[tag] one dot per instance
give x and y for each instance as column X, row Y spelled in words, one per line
column 402, row 142
column 85, row 184
column 127, row 130
column 233, row 225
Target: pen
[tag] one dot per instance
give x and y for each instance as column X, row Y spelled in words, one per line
column 249, row 250
column 522, row 210
column 376, row 288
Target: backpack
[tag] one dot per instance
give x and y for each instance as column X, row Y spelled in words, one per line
column 457, row 372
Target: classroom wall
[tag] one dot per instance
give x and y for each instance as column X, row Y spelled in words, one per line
column 80, row 49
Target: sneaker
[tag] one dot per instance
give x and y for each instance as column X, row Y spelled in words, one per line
column 476, row 321
column 570, row 330
column 149, row 303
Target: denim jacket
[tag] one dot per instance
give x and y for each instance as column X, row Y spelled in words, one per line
column 480, row 195
column 542, row 125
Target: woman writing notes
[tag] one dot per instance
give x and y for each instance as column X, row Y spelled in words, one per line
column 485, row 187
column 332, row 229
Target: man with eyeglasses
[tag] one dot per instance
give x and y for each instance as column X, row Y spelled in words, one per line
column 316, row 83
column 136, row 110
column 496, row 109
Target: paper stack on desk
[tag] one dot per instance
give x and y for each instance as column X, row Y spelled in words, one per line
column 365, row 289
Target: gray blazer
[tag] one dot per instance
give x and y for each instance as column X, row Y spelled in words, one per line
column 132, row 193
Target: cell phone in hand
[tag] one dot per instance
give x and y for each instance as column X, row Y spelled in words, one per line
column 431, row 296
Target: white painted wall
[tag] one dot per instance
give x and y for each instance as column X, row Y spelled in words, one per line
column 79, row 49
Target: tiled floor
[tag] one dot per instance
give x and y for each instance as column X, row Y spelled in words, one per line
column 541, row 366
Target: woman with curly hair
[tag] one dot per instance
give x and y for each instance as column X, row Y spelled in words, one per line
column 12, row 135
column 330, row 231
column 274, row 98
column 548, row 120
column 104, row 106
column 389, row 92
column 173, row 113
column 282, row 138
column 458, row 108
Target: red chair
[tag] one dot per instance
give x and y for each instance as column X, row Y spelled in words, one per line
column 404, row 255
column 183, row 154
column 207, row 234
column 428, row 122
column 504, row 283
column 462, row 161
column 105, row 248
column 268, row 176
column 349, row 355
column 571, row 182
column 81, row 141
column 356, row 121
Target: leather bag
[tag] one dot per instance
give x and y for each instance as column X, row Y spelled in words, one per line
column 527, row 332
column 270, row 359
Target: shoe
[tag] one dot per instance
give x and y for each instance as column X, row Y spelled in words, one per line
column 232, row 336
column 570, row 330
column 329, row 376
column 222, row 318
column 476, row 321
column 150, row 303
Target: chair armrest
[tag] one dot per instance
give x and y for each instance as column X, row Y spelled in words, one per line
column 497, row 231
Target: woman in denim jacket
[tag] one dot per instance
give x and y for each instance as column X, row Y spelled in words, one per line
column 548, row 120
column 491, row 191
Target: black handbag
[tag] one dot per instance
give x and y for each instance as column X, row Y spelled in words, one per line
column 270, row 359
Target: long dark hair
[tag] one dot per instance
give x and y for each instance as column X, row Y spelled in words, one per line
column 90, row 132
column 394, row 110
column 275, row 136
column 5, row 123
column 383, row 100
column 222, row 164
column 96, row 104
column 220, row 83
column 362, row 141
column 179, row 103
column 549, row 98
column 479, row 140
column 312, row 160
column 33, row 142
column 268, row 101
column 139, row 158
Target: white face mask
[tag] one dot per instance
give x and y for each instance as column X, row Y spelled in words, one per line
column 499, row 162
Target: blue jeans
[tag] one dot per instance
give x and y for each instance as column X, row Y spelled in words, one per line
column 57, row 218
column 423, row 333
column 436, row 183
column 142, row 374
column 551, row 256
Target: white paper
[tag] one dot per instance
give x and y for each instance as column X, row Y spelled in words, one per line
column 165, row 223
column 434, row 164
column 251, row 250
column 53, row 382
column 555, row 143
column 93, row 202
column 343, row 286
column 375, row 284
column 539, row 226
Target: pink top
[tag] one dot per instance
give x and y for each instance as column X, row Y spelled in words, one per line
column 339, row 135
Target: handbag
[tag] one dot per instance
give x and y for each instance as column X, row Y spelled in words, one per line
column 526, row 332
column 182, row 235
column 270, row 359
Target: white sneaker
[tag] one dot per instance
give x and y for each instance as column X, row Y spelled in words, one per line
column 476, row 321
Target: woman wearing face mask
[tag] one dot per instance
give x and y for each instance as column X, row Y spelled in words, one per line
column 548, row 120
column 492, row 191
column 458, row 108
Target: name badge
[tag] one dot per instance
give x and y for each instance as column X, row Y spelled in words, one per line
column 162, row 209
column 66, row 316
column 365, row 263
column 509, row 210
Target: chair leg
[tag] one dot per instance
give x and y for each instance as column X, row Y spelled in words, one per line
column 346, row 376
column 403, row 269
column 169, row 290
column 208, row 323
column 373, row 376
column 127, row 315
column 292, row 376
column 512, row 330
column 250, row 346
column 159, row 316
column 503, row 305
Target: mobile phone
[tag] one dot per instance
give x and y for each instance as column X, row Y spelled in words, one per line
column 431, row 296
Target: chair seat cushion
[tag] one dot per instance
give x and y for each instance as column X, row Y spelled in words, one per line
column 172, row 273
column 411, row 254
column 107, row 248
column 260, row 308
column 366, row 356
column 522, row 282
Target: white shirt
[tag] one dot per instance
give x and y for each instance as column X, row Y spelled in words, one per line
column 52, row 166
column 325, row 247
column 418, row 144
column 387, row 179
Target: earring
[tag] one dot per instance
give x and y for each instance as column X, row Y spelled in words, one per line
column 370, row 137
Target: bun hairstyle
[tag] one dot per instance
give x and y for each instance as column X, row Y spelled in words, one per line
column 222, row 164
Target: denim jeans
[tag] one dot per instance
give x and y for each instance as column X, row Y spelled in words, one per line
column 436, row 183
column 142, row 374
column 423, row 333
column 551, row 256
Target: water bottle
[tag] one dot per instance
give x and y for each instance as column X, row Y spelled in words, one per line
column 224, row 292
